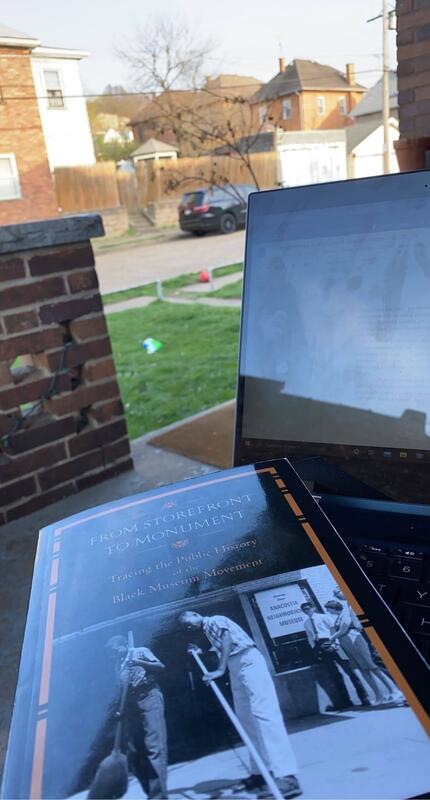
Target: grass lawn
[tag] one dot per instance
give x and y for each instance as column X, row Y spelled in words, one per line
column 194, row 370
column 230, row 291
column 170, row 286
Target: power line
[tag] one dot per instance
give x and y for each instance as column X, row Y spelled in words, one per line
column 216, row 91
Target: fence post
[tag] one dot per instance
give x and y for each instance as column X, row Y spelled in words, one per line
column 159, row 285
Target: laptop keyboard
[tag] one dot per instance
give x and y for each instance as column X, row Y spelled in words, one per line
column 401, row 575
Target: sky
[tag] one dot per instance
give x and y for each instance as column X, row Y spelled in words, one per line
column 249, row 35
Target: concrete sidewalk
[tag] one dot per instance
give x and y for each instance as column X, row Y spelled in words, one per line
column 339, row 755
column 183, row 296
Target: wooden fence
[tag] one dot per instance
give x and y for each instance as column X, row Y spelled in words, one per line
column 102, row 186
column 87, row 188
column 164, row 180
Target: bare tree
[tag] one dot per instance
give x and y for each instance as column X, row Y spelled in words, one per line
column 166, row 54
column 202, row 116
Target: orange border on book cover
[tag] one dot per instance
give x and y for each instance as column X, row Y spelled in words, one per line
column 41, row 725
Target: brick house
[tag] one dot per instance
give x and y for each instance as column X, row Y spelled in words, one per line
column 26, row 189
column 413, row 72
column 305, row 96
column 209, row 107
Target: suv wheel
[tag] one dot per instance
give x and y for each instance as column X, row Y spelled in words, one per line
column 227, row 223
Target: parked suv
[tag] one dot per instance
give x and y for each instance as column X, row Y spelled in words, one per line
column 224, row 210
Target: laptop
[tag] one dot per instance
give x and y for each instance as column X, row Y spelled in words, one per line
column 334, row 366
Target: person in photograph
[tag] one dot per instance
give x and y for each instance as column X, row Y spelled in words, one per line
column 139, row 668
column 318, row 629
column 255, row 700
column 347, row 630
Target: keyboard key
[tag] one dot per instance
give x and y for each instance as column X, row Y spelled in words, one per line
column 376, row 549
column 419, row 622
column 402, row 568
column 408, row 552
column 416, row 595
column 373, row 565
column 388, row 591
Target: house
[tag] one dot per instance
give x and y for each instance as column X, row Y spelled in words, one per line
column 365, row 147
column 26, row 188
column 370, row 107
column 365, row 134
column 305, row 95
column 62, row 106
column 189, row 119
column 111, row 128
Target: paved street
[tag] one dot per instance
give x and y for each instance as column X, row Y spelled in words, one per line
column 175, row 254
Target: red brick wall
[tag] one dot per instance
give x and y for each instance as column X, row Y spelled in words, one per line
column 304, row 109
column 51, row 315
column 413, row 53
column 21, row 134
column 332, row 119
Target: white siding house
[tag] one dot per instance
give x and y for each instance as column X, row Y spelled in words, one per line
column 62, row 106
column 365, row 147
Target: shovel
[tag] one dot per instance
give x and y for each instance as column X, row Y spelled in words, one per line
column 111, row 779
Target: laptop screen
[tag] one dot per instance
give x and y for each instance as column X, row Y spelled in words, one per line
column 334, row 365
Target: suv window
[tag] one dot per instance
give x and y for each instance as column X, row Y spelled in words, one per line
column 191, row 199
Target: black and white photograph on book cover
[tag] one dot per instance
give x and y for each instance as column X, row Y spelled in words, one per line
column 267, row 689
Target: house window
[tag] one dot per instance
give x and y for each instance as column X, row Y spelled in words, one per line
column 342, row 106
column 9, row 178
column 53, row 88
column 262, row 114
column 321, row 105
column 287, row 111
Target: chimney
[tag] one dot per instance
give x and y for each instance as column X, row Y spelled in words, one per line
column 281, row 64
column 350, row 74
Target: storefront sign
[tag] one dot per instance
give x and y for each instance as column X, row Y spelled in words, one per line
column 280, row 609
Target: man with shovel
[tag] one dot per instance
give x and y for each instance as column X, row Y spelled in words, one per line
column 255, row 702
column 138, row 669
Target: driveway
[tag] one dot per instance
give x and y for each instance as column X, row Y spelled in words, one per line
column 175, row 254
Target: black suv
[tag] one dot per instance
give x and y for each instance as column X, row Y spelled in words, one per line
column 214, row 209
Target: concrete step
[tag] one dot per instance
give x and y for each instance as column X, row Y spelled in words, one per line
column 140, row 222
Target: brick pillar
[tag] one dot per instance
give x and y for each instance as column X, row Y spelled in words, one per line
column 62, row 425
column 413, row 71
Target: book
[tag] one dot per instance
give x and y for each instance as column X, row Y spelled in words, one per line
column 213, row 638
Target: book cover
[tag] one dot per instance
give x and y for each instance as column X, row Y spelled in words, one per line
column 211, row 639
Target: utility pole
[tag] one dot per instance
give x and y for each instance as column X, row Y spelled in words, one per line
column 386, row 26
column 386, row 89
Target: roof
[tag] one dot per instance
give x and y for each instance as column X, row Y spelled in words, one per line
column 233, row 85
column 59, row 52
column 263, row 142
column 333, row 136
column 13, row 38
column 360, row 130
column 153, row 146
column 301, row 74
column 221, row 86
column 372, row 100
